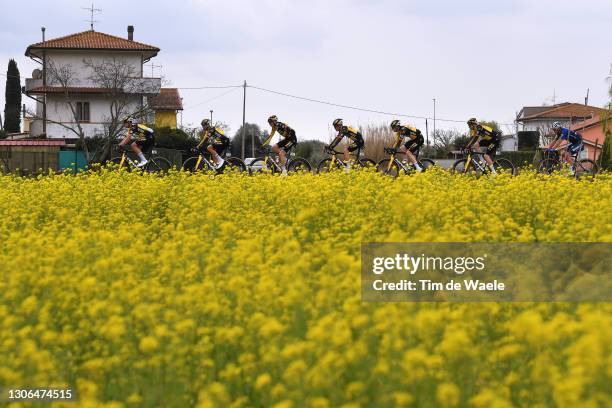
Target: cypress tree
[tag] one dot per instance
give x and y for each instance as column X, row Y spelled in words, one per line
column 12, row 107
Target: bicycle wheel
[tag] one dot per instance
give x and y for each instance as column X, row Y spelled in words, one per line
column 426, row 163
column 258, row 166
column 158, row 164
column 299, row 165
column 325, row 166
column 549, row 166
column 459, row 167
column 504, row 166
column 234, row 165
column 190, row 165
column 586, row 168
column 392, row 170
column 117, row 163
column 366, row 163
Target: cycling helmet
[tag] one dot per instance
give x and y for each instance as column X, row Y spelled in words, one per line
column 556, row 125
column 472, row 121
column 206, row 123
column 272, row 119
column 127, row 119
column 395, row 124
column 337, row 122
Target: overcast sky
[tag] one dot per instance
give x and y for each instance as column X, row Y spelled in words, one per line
column 478, row 58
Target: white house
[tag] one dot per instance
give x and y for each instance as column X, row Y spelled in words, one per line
column 76, row 55
column 540, row 118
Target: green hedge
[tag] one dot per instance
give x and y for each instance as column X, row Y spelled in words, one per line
column 519, row 158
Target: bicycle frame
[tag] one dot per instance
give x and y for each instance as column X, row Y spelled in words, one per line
column 334, row 158
column 201, row 159
column 469, row 160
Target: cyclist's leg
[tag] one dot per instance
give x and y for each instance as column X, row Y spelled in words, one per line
column 412, row 146
column 215, row 156
column 138, row 147
column 279, row 149
column 490, row 154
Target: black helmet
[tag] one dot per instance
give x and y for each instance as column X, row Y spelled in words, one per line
column 273, row 119
column 206, row 123
column 472, row 121
column 395, row 124
column 337, row 122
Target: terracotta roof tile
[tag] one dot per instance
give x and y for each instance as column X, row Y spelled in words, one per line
column 168, row 99
column 92, row 40
column 574, row 110
column 74, row 89
column 36, row 142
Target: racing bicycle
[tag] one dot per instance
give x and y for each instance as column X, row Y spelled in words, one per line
column 334, row 163
column 203, row 162
column 474, row 163
column 155, row 163
column 553, row 162
column 270, row 164
column 393, row 166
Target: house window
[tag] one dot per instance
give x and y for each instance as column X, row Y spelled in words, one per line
column 82, row 111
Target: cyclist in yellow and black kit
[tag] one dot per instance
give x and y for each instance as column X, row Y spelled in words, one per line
column 351, row 133
column 482, row 135
column 283, row 147
column 215, row 141
column 413, row 142
column 141, row 138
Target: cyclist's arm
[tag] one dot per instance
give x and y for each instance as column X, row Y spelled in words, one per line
column 203, row 139
column 269, row 139
column 398, row 140
column 126, row 139
column 473, row 140
column 336, row 140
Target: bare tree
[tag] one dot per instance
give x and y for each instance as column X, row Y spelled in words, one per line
column 65, row 77
column 444, row 141
column 120, row 81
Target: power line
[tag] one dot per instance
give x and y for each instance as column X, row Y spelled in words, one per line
column 359, row 108
column 210, row 87
column 212, row 99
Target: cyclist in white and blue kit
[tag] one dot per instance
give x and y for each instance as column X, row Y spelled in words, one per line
column 573, row 138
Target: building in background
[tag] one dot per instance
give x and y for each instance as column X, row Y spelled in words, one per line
column 91, row 100
column 594, row 132
column 540, row 118
column 165, row 107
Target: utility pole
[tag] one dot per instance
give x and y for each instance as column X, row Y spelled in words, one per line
column 434, row 118
column 44, row 81
column 243, row 118
column 427, row 132
column 211, row 112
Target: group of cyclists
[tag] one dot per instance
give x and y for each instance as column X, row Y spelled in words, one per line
column 409, row 140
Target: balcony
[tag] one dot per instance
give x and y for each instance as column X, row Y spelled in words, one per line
column 133, row 86
column 31, row 83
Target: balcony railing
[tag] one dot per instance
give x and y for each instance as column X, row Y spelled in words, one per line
column 136, row 86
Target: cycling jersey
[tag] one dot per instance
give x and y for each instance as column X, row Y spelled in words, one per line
column 571, row 136
column 285, row 131
column 485, row 132
column 354, row 135
column 141, row 132
column 142, row 137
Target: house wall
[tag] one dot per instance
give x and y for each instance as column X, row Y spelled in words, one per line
column 540, row 125
column 509, row 144
column 74, row 61
column 165, row 119
column 58, row 110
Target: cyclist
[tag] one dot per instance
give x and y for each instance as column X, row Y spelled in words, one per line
column 283, row 147
column 573, row 138
column 414, row 141
column 482, row 135
column 215, row 141
column 351, row 133
column 140, row 137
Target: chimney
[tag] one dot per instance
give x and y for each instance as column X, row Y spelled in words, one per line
column 131, row 33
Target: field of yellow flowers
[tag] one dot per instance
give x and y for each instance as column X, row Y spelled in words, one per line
column 237, row 291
